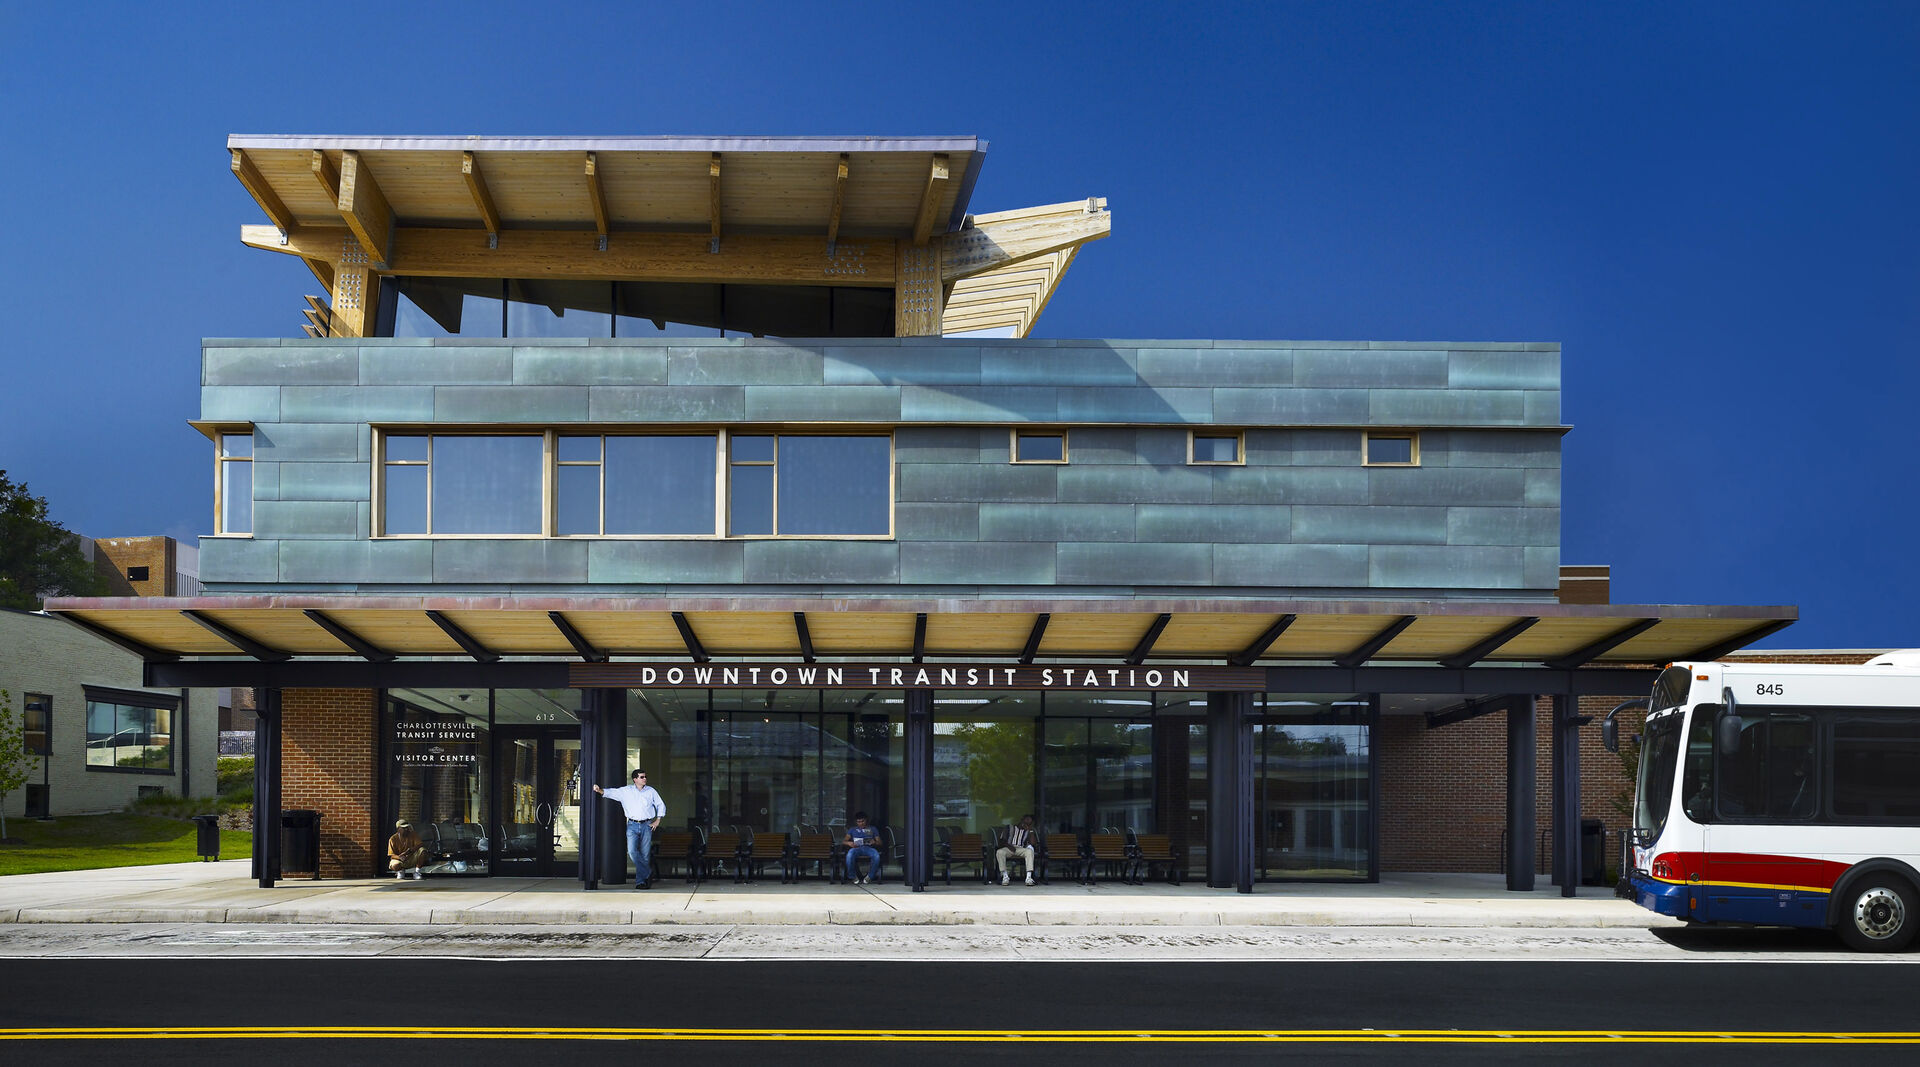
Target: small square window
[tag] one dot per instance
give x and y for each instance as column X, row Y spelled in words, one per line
column 1039, row 446
column 137, row 574
column 1391, row 450
column 1214, row 447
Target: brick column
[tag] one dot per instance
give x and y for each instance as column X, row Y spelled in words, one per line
column 330, row 742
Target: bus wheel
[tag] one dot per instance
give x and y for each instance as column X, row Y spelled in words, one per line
column 1880, row 917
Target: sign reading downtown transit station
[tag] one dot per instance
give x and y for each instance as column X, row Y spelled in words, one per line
column 435, row 741
column 1054, row 676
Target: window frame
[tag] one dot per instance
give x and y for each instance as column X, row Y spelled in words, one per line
column 1015, row 433
column 1366, row 447
column 550, row 477
column 1239, row 448
column 149, row 702
column 46, row 730
column 221, row 461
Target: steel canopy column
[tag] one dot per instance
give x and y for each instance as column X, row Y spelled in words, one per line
column 918, row 838
column 591, row 805
column 266, row 788
column 1230, row 791
column 1566, row 796
column 610, row 754
column 1520, row 769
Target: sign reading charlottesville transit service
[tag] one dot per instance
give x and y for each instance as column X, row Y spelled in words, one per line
column 1057, row 676
column 436, row 741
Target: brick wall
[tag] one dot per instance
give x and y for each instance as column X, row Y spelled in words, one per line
column 329, row 746
column 116, row 557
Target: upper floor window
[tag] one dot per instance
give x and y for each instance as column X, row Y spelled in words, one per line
column 233, row 483
column 1039, row 446
column 1205, row 446
column 1383, row 448
column 660, row 485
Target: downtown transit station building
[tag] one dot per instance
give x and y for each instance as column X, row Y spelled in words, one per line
column 734, row 460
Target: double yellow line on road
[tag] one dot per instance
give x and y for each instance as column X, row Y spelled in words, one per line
column 1365, row 1037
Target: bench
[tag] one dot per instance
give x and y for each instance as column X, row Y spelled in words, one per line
column 1064, row 850
column 965, row 849
column 1156, row 850
column 1109, row 851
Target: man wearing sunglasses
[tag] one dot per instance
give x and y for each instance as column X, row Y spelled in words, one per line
column 644, row 810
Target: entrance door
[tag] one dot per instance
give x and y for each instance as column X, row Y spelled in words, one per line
column 537, row 789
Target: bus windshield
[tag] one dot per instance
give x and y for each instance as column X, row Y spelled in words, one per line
column 1659, row 759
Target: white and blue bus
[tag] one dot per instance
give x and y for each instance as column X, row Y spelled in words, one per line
column 1783, row 795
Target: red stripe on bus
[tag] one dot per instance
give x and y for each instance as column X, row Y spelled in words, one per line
column 1755, row 868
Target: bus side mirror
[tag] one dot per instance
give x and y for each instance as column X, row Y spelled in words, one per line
column 1726, row 734
column 1610, row 735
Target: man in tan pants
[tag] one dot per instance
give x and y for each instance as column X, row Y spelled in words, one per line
column 1019, row 842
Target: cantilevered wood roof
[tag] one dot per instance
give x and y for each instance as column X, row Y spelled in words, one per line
column 830, row 212
column 1267, row 633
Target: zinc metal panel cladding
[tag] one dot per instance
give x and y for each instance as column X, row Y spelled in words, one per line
column 609, row 364
column 1085, row 563
column 1095, row 403
column 1060, row 366
column 707, row 562
column 1370, row 524
column 1503, row 370
column 1300, row 566
column 823, row 403
column 1057, row 522
column 240, row 403
column 239, row 559
column 385, row 562
column 506, row 405
column 1369, row 369
column 1290, row 407
column 1542, row 488
column 1541, row 569
column 1537, row 527
column 1446, row 486
column 266, row 480
column 922, row 521
column 1287, row 485
column 1138, row 484
column 828, row 562
column 978, row 483
column 279, row 366
column 666, row 403
column 1445, row 567
column 1214, row 523
column 408, row 365
column 355, row 404
column 976, row 562
column 964, row 403
column 1446, row 407
column 895, row 365
column 1209, row 367
column 489, row 561
column 307, row 519
column 1107, row 446
column 295, row 441
column 1325, row 448
column 756, row 365
column 950, row 444
column 1267, row 448
column 1542, row 407
column 316, row 481
column 1489, row 448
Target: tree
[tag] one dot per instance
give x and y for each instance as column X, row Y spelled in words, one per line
column 16, row 765
column 39, row 558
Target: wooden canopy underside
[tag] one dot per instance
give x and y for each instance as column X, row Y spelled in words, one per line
column 849, row 213
column 1267, row 633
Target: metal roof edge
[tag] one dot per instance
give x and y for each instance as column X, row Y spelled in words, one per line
column 615, row 144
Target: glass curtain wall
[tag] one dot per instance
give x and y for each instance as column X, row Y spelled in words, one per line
column 984, row 746
column 1313, row 787
column 437, row 748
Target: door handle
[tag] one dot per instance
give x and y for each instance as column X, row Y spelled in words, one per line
column 543, row 814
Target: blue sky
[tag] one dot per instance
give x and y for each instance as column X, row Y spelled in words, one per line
column 1711, row 206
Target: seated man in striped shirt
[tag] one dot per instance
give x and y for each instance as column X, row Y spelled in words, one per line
column 1019, row 841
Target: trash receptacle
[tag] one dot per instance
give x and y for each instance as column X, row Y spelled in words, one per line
column 207, row 836
column 300, row 842
column 1593, row 852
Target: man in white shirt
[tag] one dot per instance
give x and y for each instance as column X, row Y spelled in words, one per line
column 644, row 810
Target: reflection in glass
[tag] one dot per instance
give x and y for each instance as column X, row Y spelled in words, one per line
column 834, row 485
column 437, row 742
column 661, row 484
column 983, row 758
column 750, row 500
column 403, row 507
column 128, row 738
column 1313, row 768
column 236, row 496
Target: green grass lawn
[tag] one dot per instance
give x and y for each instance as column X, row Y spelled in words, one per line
column 86, row 842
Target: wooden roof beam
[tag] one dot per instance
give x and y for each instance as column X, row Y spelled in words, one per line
column 713, row 203
column 256, row 185
column 839, row 202
column 598, row 197
column 763, row 259
column 366, row 210
column 482, row 197
column 930, row 197
column 326, row 174
column 994, row 242
column 1603, row 646
column 1734, row 644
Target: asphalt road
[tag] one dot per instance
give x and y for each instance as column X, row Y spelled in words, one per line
column 1677, row 1005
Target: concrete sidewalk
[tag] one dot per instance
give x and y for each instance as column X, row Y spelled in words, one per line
column 222, row 892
